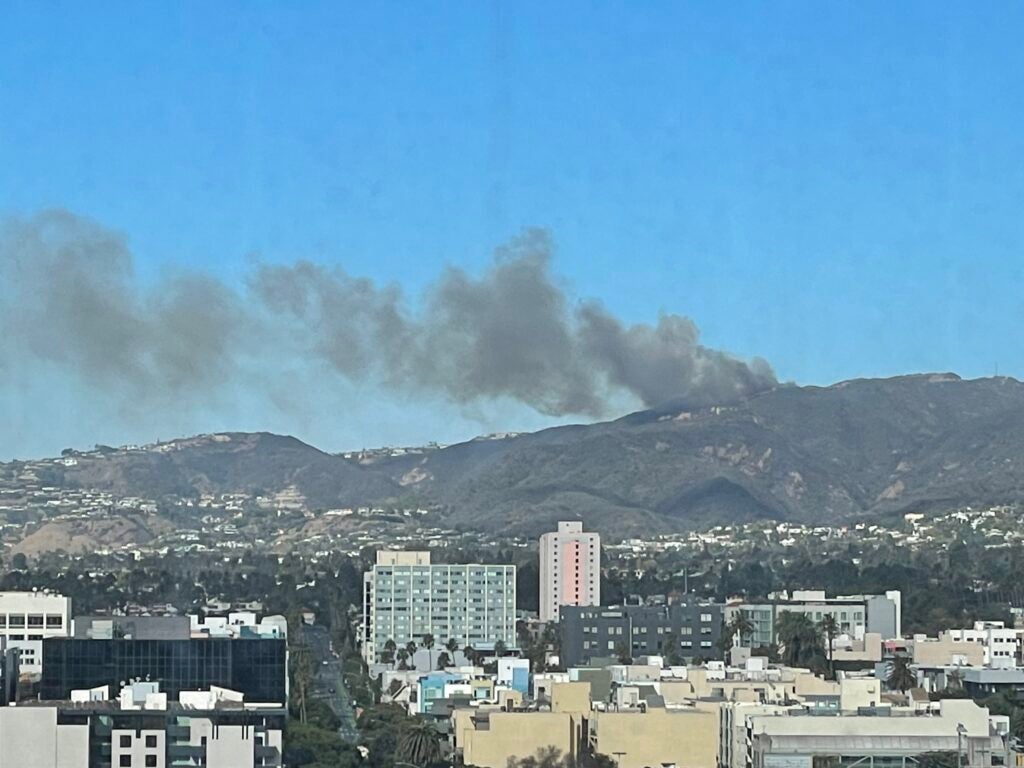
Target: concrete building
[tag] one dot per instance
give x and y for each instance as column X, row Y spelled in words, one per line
column 944, row 651
column 142, row 729
column 692, row 628
column 1000, row 644
column 887, row 738
column 406, row 597
column 27, row 618
column 570, row 569
column 855, row 615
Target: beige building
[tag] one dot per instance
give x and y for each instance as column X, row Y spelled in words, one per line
column 687, row 738
column 946, row 651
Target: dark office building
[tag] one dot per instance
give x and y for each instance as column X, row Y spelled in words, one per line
column 642, row 630
column 254, row 667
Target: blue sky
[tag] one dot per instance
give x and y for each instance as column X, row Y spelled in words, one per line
column 835, row 187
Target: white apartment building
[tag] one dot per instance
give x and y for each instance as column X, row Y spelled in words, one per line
column 406, row 597
column 570, row 569
column 1001, row 644
column 26, row 618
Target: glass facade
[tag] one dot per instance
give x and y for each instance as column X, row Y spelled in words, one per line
column 256, row 668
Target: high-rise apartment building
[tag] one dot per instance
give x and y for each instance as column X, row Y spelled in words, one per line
column 570, row 569
column 405, row 597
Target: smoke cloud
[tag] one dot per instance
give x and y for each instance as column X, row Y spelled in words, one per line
column 69, row 296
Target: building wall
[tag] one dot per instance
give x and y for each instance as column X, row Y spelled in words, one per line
column 570, row 569
column 231, row 746
column 689, row 739
column 571, row 697
column 29, row 736
column 589, row 633
column 472, row 604
column 945, row 651
column 27, row 618
column 520, row 735
column 137, row 746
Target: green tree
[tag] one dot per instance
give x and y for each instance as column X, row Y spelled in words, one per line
column 388, row 656
column 410, row 650
column 443, row 660
column 419, row 745
column 801, row 640
column 741, row 626
column 829, row 629
column 452, row 646
column 403, row 658
column 500, row 649
column 428, row 642
column 901, row 676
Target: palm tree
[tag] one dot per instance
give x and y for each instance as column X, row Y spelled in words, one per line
column 403, row 656
column 954, row 680
column 443, row 660
column 800, row 636
column 470, row 653
column 901, row 676
column 410, row 649
column 829, row 628
column 500, row 649
column 428, row 643
column 452, row 646
column 388, row 657
column 418, row 745
column 741, row 626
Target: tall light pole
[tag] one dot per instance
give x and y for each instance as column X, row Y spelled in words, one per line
column 960, row 732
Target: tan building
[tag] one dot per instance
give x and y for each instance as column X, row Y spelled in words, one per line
column 946, row 652
column 489, row 739
column 687, row 738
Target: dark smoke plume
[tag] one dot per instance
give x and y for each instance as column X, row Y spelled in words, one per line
column 69, row 296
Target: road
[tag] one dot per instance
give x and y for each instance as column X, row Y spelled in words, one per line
column 329, row 681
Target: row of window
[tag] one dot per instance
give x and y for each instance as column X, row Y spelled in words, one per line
column 21, row 620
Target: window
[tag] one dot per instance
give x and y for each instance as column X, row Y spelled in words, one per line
column 126, row 741
column 125, row 761
column 705, row 617
column 35, row 620
column 16, row 621
column 151, row 741
column 150, row 761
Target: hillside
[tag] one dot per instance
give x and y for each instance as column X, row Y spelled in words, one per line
column 856, row 449
column 229, row 463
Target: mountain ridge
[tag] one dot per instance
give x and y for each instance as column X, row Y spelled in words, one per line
column 847, row 451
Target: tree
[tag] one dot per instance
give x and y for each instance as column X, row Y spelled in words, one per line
column 410, row 650
column 801, row 639
column 829, row 628
column 901, row 676
column 670, row 648
column 428, row 642
column 741, row 626
column 388, row 657
column 443, row 660
column 403, row 657
column 471, row 655
column 500, row 649
column 452, row 646
column 622, row 654
column 419, row 745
